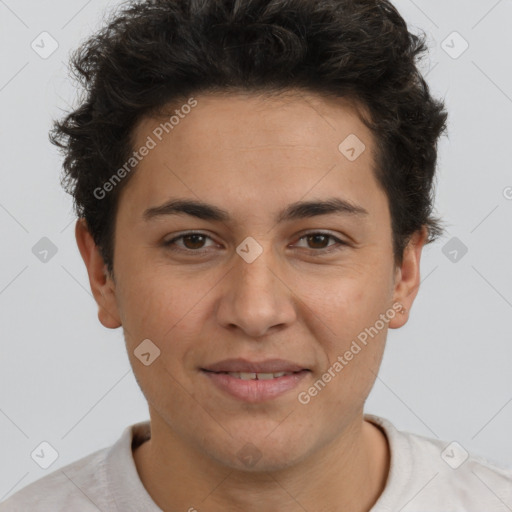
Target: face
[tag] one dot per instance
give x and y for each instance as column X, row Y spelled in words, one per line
column 253, row 282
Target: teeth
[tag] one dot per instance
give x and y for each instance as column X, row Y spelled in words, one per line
column 266, row 376
column 257, row 376
column 247, row 376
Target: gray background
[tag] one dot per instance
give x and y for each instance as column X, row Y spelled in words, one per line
column 66, row 380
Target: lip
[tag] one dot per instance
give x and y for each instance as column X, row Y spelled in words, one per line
column 244, row 365
column 254, row 391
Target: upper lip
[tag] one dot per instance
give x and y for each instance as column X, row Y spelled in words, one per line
column 243, row 365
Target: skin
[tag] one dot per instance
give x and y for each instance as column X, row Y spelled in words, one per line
column 253, row 156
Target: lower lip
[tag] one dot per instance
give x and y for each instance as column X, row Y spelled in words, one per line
column 255, row 390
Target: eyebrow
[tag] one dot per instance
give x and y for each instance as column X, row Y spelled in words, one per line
column 294, row 211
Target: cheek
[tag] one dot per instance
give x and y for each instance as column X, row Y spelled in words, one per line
column 148, row 309
column 346, row 313
column 347, row 302
column 171, row 309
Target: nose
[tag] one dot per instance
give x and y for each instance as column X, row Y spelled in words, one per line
column 256, row 297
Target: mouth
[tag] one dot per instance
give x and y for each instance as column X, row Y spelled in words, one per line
column 256, row 376
column 268, row 366
column 255, row 381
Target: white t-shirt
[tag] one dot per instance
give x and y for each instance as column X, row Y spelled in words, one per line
column 426, row 475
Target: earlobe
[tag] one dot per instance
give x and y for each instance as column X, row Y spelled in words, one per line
column 407, row 281
column 102, row 285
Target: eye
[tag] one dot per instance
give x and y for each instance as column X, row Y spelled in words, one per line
column 191, row 242
column 318, row 242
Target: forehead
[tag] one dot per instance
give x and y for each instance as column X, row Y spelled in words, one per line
column 245, row 148
column 250, row 121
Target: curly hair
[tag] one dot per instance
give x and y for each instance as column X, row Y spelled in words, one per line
column 152, row 53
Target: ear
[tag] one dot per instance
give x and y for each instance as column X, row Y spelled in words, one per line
column 407, row 278
column 102, row 284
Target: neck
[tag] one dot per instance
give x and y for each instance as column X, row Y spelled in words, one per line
column 349, row 473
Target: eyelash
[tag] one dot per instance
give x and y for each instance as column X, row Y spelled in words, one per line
column 169, row 243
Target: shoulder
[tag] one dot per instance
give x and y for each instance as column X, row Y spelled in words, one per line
column 104, row 480
column 76, row 486
column 433, row 473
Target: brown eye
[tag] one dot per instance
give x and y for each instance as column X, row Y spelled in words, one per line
column 193, row 241
column 318, row 241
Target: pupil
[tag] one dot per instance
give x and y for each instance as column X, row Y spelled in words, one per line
column 195, row 244
column 312, row 238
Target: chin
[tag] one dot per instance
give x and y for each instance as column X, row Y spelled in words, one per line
column 261, row 450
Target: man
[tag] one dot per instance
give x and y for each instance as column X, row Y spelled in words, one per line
column 253, row 181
